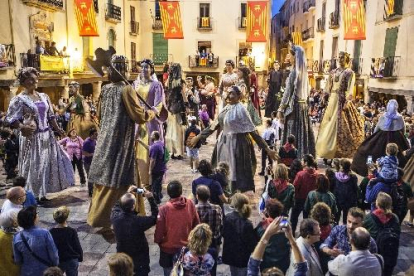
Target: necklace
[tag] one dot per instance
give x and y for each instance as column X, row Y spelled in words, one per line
column 338, row 73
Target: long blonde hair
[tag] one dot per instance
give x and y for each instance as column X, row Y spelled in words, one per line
column 281, row 172
column 240, row 202
column 384, row 202
column 200, row 239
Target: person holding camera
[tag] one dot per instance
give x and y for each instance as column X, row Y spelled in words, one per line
column 130, row 228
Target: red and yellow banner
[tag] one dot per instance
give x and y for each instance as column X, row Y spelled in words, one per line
column 171, row 20
column 86, row 17
column 297, row 38
column 354, row 20
column 257, row 15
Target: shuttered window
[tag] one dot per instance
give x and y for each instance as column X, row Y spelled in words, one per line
column 390, row 45
column 160, row 48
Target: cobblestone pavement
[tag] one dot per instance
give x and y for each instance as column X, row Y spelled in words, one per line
column 97, row 248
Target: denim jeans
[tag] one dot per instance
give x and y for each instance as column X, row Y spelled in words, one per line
column 157, row 186
column 70, row 267
column 238, row 271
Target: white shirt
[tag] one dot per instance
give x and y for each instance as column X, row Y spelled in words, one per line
column 267, row 133
column 356, row 263
column 276, row 125
column 8, row 205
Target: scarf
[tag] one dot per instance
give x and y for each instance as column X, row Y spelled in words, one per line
column 280, row 185
column 382, row 216
column 288, row 147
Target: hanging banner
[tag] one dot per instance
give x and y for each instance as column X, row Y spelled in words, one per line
column 171, row 20
column 53, row 63
column 257, row 15
column 354, row 20
column 86, row 17
column 297, row 38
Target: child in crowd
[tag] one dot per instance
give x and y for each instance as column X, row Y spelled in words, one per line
column 288, row 152
column 191, row 132
column 11, row 150
column 388, row 164
column 204, row 117
column 276, row 125
column 269, row 135
column 20, row 181
column 67, row 242
column 221, row 175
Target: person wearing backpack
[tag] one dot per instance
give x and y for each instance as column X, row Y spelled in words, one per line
column 384, row 227
column 192, row 152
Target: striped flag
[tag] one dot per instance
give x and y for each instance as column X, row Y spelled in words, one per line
column 86, row 17
column 171, row 20
column 354, row 20
column 257, row 14
column 297, row 38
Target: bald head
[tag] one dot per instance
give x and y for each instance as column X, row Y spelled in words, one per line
column 203, row 193
column 16, row 195
column 128, row 202
column 361, row 238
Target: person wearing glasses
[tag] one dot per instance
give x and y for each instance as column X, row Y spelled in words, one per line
column 44, row 164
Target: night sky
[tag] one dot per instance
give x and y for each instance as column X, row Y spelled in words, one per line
column 276, row 6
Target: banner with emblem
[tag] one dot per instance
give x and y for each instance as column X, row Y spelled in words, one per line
column 86, row 17
column 171, row 20
column 354, row 20
column 297, row 38
column 257, row 14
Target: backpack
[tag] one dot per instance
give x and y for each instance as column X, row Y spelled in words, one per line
column 388, row 241
column 191, row 135
column 397, row 195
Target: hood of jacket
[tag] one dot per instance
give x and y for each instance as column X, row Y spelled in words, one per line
column 179, row 202
column 342, row 177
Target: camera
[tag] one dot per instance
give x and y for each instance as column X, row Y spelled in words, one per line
column 139, row 191
column 284, row 223
column 369, row 160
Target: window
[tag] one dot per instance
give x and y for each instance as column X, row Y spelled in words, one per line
column 204, row 46
column 324, row 10
column 321, row 51
column 204, row 10
column 390, row 45
column 133, row 51
column 111, row 38
column 334, row 47
column 132, row 9
column 243, row 9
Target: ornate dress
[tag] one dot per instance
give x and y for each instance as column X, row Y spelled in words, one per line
column 80, row 117
column 153, row 94
column 235, row 145
column 113, row 165
column 342, row 128
column 44, row 164
column 248, row 104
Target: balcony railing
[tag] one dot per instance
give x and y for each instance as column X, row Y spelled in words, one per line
column 321, row 24
column 194, row 62
column 357, row 65
column 161, row 59
column 113, row 13
column 45, row 63
column 157, row 24
column 242, row 23
column 388, row 67
column 8, row 59
column 134, row 28
column 317, row 66
column 334, row 20
column 309, row 64
column 394, row 12
column 50, row 5
column 308, row 34
column 308, row 5
column 204, row 23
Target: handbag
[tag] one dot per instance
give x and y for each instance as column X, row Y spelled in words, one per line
column 178, row 269
column 43, row 261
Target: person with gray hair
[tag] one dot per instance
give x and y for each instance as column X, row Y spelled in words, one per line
column 359, row 261
column 8, row 224
column 130, row 229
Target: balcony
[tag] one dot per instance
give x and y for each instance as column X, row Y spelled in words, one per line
column 204, row 23
column 157, row 24
column 317, row 66
column 44, row 63
column 49, row 5
column 242, row 22
column 395, row 12
column 194, row 62
column 385, row 68
column 334, row 20
column 308, row 6
column 321, row 24
column 134, row 28
column 113, row 13
column 249, row 62
column 308, row 34
column 161, row 59
column 8, row 59
column 357, row 65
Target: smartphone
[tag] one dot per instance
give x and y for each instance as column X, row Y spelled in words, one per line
column 369, row 160
column 139, row 191
column 284, row 223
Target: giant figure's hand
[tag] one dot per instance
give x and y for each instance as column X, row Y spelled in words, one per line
column 27, row 130
column 194, row 141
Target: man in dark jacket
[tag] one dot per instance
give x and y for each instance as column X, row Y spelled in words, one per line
column 130, row 230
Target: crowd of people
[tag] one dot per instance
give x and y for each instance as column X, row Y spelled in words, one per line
column 121, row 152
